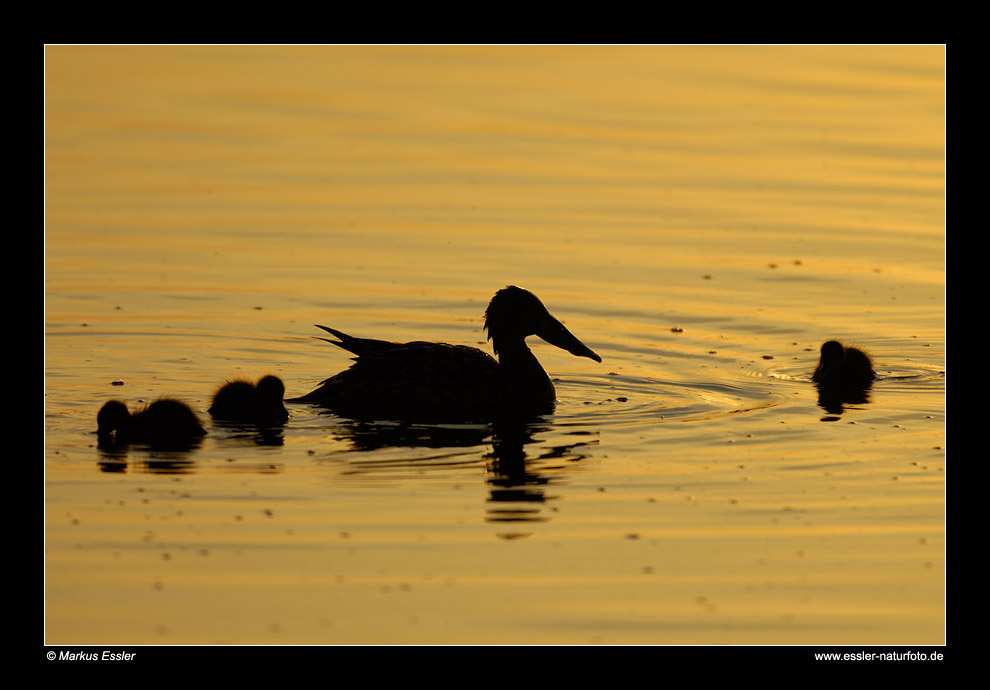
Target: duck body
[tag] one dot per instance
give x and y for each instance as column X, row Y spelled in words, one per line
column 438, row 382
column 843, row 367
column 249, row 403
column 165, row 423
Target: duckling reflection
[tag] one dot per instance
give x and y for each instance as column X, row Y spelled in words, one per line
column 248, row 403
column 165, row 424
column 114, row 461
column 441, row 383
column 844, row 376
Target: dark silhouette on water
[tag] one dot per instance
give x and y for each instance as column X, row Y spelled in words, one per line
column 844, row 376
column 249, row 403
column 844, row 367
column 437, row 382
column 166, row 424
column 521, row 468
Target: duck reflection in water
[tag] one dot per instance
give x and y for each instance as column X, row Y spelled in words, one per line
column 440, row 383
column 165, row 424
column 844, row 376
column 517, row 480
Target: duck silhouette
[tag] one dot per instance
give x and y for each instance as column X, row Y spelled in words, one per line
column 165, row 423
column 437, row 382
column 249, row 403
column 843, row 367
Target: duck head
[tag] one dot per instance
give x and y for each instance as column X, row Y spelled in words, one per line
column 271, row 389
column 515, row 313
column 112, row 417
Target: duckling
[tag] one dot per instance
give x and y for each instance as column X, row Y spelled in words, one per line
column 165, row 423
column 243, row 401
column 843, row 367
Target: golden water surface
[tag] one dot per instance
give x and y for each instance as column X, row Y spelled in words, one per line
column 703, row 217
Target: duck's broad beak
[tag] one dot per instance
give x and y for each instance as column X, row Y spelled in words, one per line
column 553, row 332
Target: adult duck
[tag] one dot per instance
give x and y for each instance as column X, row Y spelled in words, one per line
column 438, row 382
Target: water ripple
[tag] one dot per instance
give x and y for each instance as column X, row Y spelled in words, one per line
column 635, row 400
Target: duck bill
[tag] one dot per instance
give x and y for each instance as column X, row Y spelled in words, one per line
column 553, row 332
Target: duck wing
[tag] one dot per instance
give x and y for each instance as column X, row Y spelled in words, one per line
column 415, row 382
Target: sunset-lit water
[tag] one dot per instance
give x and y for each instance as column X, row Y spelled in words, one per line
column 702, row 217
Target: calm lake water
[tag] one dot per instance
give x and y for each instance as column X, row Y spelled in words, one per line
column 702, row 217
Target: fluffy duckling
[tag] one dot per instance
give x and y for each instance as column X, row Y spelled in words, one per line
column 165, row 423
column 249, row 403
column 843, row 367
